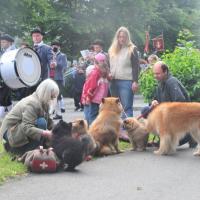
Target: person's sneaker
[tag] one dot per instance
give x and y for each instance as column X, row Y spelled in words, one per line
column 57, row 117
column 124, row 136
column 62, row 110
column 81, row 109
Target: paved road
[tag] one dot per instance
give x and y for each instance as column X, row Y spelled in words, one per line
column 127, row 176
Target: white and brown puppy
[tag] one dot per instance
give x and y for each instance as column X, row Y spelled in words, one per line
column 137, row 133
column 171, row 121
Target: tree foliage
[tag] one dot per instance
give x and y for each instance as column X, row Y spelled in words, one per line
column 78, row 22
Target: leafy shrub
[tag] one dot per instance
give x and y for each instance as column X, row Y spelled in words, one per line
column 184, row 64
column 147, row 84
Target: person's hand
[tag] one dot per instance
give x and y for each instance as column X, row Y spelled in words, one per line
column 110, row 77
column 154, row 103
column 53, row 65
column 47, row 134
column 87, row 101
column 135, row 87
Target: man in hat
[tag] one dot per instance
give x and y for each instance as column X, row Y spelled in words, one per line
column 6, row 43
column 5, row 91
column 57, row 74
column 44, row 51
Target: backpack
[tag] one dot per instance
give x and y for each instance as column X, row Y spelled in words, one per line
column 40, row 160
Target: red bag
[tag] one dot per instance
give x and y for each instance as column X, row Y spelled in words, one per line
column 40, row 160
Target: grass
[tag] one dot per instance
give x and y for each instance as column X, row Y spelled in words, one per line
column 124, row 146
column 9, row 168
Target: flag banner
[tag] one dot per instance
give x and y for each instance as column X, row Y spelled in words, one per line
column 158, row 43
column 146, row 46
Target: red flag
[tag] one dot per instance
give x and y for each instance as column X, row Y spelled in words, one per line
column 158, row 43
column 146, row 46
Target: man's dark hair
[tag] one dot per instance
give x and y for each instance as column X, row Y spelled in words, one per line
column 98, row 42
column 164, row 68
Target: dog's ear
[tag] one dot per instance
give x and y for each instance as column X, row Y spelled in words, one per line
column 117, row 100
column 81, row 122
column 125, row 121
column 103, row 100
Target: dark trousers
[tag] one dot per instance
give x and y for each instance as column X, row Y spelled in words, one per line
column 77, row 100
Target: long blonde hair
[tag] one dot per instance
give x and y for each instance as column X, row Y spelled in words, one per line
column 115, row 47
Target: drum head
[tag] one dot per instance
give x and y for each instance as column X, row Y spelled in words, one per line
column 28, row 66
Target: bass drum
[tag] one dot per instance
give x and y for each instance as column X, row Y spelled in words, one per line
column 20, row 68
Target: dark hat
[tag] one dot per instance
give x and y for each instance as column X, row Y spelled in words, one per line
column 7, row 38
column 57, row 43
column 98, row 42
column 37, row 30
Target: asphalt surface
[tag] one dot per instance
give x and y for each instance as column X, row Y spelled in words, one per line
column 129, row 176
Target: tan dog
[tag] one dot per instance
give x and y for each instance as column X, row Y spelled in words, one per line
column 105, row 128
column 171, row 121
column 79, row 127
column 137, row 133
column 80, row 130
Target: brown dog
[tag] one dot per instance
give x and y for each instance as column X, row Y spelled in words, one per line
column 137, row 133
column 171, row 121
column 105, row 128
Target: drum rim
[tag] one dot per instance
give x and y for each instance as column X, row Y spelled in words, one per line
column 16, row 69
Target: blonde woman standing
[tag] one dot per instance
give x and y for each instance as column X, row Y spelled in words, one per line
column 124, row 68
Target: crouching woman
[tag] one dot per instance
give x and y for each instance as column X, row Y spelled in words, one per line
column 25, row 127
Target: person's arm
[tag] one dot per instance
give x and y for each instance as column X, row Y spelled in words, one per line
column 62, row 62
column 50, row 57
column 176, row 91
column 135, row 69
column 92, row 83
column 28, row 124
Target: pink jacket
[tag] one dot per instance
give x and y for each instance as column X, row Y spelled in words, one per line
column 101, row 91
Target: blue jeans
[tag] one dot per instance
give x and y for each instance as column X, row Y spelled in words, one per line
column 41, row 123
column 93, row 112
column 86, row 111
column 123, row 90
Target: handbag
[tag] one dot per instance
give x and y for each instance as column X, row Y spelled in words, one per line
column 40, row 160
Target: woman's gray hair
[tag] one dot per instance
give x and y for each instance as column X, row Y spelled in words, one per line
column 47, row 90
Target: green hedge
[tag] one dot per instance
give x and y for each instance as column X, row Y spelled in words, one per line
column 184, row 63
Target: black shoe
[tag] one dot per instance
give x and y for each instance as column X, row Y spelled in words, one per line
column 57, row 117
column 62, row 110
column 81, row 109
column 76, row 109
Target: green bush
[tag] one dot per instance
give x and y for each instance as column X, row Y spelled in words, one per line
column 147, row 84
column 184, row 64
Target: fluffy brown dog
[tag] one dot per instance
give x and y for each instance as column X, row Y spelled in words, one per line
column 137, row 133
column 105, row 128
column 171, row 121
column 79, row 127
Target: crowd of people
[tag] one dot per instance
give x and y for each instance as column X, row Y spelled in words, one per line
column 97, row 75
